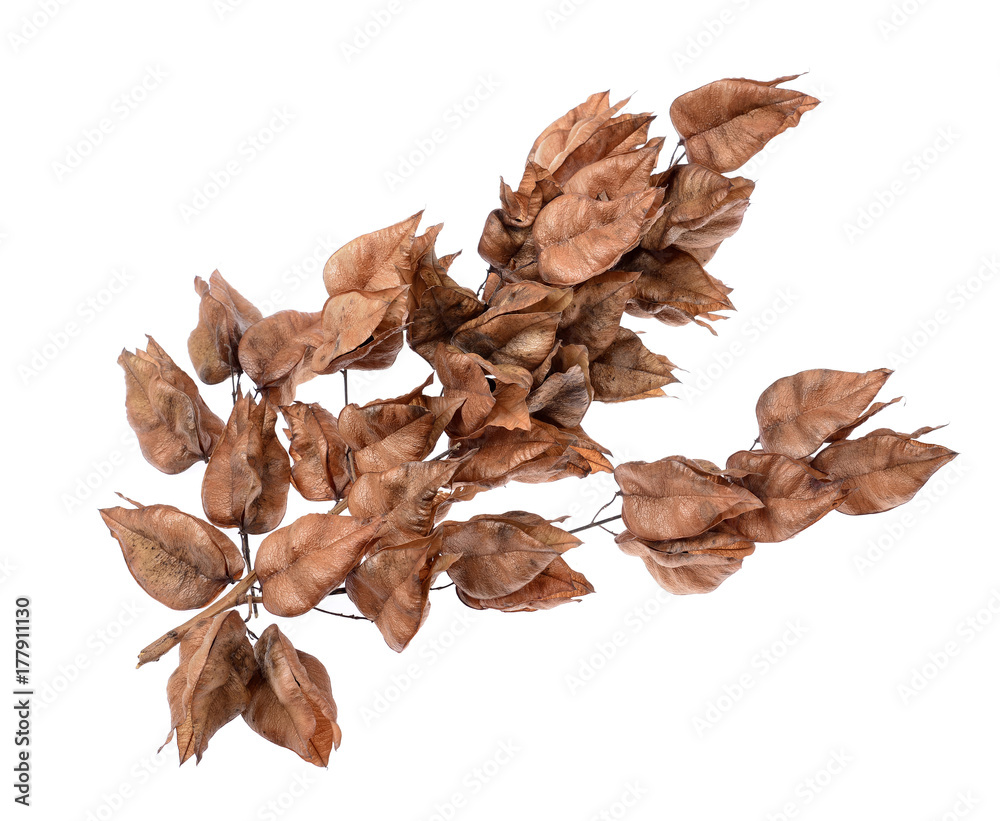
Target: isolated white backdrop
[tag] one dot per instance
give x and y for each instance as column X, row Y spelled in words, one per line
column 482, row 717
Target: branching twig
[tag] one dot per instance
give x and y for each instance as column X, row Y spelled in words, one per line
column 596, row 524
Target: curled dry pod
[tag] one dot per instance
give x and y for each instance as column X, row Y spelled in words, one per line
column 501, row 554
column 209, row 687
column 882, row 470
column 796, row 414
column 557, row 584
column 593, row 317
column 179, row 560
column 723, row 124
column 627, row 370
column 291, row 701
column 174, row 426
column 223, row 317
column 676, row 498
column 685, row 566
column 373, row 261
column 392, row 587
column 794, row 494
column 277, row 352
column 574, row 128
column 246, row 481
column 298, row 565
column 320, row 470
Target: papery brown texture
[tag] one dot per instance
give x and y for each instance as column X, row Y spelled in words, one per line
column 627, row 369
column 209, row 687
column 685, row 566
column 676, row 498
column 882, row 470
column 374, row 261
column 246, row 481
column 796, row 414
column 557, row 584
column 277, row 352
column 794, row 495
column 320, row 470
column 223, row 317
column 177, row 559
column 501, row 554
column 392, row 587
column 298, row 565
column 723, row 124
column 174, row 426
column 291, row 702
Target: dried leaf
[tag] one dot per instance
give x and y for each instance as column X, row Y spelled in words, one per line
column 616, row 136
column 209, row 687
column 676, row 498
column 882, row 470
column 794, row 494
column 629, row 370
column 223, row 317
column 392, row 587
column 179, row 560
column 562, row 137
column 374, row 261
column 723, row 124
column 351, row 319
column 320, row 470
column 684, row 571
column 246, row 481
column 566, row 393
column 291, row 702
column 557, row 584
column 276, row 353
column 578, row 238
column 593, row 317
column 617, row 175
column 501, row 554
column 298, row 565
column 174, row 426
column 797, row 413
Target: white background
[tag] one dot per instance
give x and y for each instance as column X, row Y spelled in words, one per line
column 909, row 101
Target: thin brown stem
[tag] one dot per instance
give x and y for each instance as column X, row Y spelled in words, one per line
column 342, row 615
column 596, row 524
column 168, row 640
column 340, row 507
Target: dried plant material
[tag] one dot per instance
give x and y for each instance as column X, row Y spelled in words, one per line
column 374, row 261
column 882, row 470
column 320, row 469
column 291, row 702
column 442, row 310
column 723, row 124
column 405, row 498
column 627, row 369
column 209, row 687
column 501, row 554
column 847, row 430
column 276, row 353
column 616, row 136
column 562, row 137
column 246, row 481
column 392, row 587
column 578, row 237
column 557, row 584
column 223, row 317
column 702, row 209
column 593, row 317
column 797, row 413
column 676, row 498
column 617, row 175
column 674, row 288
column 464, row 381
column 174, row 426
column 301, row 563
column 353, row 319
column 566, row 393
column 179, row 560
column 794, row 495
column 683, row 572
